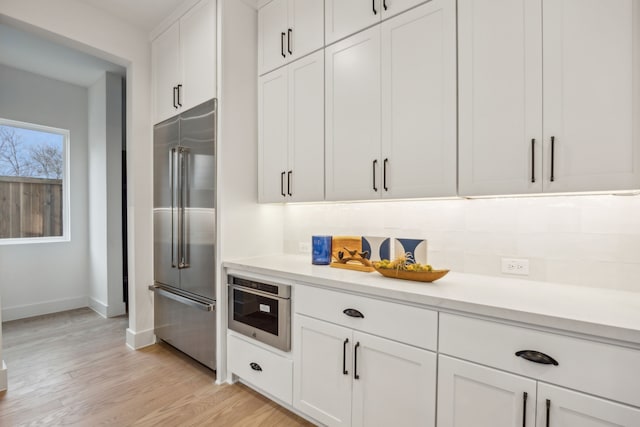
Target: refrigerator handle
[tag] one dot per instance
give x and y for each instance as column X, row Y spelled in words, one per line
column 183, row 251
column 172, row 191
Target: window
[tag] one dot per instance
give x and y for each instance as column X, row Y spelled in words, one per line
column 34, row 183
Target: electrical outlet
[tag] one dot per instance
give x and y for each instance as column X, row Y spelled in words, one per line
column 304, row 247
column 518, row 266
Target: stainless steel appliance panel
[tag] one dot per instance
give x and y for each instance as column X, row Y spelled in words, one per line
column 165, row 208
column 187, row 324
column 197, row 169
column 261, row 311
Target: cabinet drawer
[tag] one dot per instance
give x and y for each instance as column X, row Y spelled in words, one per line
column 275, row 376
column 601, row 369
column 406, row 324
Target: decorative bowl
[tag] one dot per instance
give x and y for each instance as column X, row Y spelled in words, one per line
column 419, row 276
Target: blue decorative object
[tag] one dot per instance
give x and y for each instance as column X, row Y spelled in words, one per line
column 414, row 249
column 379, row 248
column 321, row 250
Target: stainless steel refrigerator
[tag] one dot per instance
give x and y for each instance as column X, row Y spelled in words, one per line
column 184, row 222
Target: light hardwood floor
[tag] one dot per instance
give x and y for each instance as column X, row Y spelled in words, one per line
column 73, row 368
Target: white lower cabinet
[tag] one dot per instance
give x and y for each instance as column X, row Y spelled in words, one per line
column 472, row 395
column 568, row 408
column 344, row 377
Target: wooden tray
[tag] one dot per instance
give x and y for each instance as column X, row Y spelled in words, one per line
column 352, row 266
column 418, row 276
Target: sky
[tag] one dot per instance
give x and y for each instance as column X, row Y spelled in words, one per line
column 29, row 138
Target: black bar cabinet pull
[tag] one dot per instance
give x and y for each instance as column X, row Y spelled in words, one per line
column 352, row 312
column 282, row 184
column 524, row 409
column 282, row 45
column 548, row 411
column 373, row 6
column 533, row 160
column 384, row 174
column 175, row 89
column 375, row 162
column 179, row 90
column 355, row 361
column 289, row 32
column 344, row 357
column 289, row 183
column 537, row 357
column 384, row 4
column 255, row 366
column 553, row 155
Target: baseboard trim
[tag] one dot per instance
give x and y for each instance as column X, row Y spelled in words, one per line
column 119, row 309
column 98, row 307
column 138, row 340
column 47, row 307
column 3, row 376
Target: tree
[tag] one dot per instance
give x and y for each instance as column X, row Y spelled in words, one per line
column 37, row 160
column 13, row 160
column 46, row 161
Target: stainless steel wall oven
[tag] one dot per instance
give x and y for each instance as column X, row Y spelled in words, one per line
column 261, row 310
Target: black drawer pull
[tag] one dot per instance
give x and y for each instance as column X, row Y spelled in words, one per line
column 537, row 357
column 344, row 357
column 255, row 366
column 352, row 312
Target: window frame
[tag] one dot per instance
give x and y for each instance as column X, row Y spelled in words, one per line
column 66, row 196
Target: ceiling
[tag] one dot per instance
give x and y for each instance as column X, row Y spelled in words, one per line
column 37, row 54
column 144, row 14
column 29, row 52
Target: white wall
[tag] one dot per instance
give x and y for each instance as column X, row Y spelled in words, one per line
column 245, row 228
column 91, row 30
column 3, row 366
column 581, row 240
column 40, row 278
column 105, row 225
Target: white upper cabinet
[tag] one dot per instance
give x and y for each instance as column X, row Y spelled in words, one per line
column 345, row 17
column 591, row 94
column 184, row 62
column 291, row 132
column 586, row 136
column 500, row 96
column 419, row 102
column 198, row 51
column 166, row 72
column 391, row 108
column 353, row 117
column 288, row 30
column 272, row 135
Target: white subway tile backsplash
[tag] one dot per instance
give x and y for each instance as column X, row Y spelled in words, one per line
column 581, row 240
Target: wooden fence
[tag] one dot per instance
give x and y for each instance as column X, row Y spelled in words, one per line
column 30, row 207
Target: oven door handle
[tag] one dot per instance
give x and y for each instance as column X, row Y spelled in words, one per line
column 256, row 292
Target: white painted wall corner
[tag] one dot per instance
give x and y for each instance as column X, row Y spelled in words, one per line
column 138, row 340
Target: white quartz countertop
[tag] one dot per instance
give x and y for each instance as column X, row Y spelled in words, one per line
column 603, row 313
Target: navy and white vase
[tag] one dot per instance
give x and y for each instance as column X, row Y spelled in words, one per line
column 415, row 250
column 379, row 248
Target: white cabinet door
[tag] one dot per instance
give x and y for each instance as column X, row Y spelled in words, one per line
column 571, row 409
column 322, row 372
column 395, row 383
column 305, row 176
column 352, row 73
column 272, row 136
column 500, row 96
column 471, row 395
column 419, row 102
column 345, row 17
column 307, row 27
column 166, row 72
column 591, row 94
column 272, row 35
column 394, row 7
column 198, row 54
